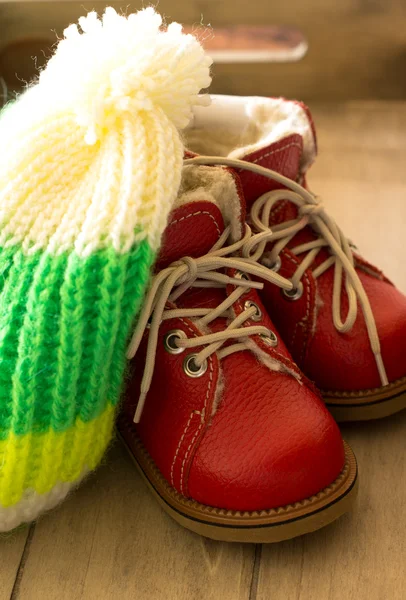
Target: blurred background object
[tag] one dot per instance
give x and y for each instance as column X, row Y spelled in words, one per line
column 252, row 43
column 316, row 50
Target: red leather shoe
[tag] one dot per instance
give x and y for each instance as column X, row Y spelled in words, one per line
column 233, row 440
column 342, row 320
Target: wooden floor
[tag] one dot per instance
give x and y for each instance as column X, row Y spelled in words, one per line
column 111, row 540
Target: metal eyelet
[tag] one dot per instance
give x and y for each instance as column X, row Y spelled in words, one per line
column 190, row 367
column 293, row 294
column 273, row 266
column 250, row 304
column 270, row 339
column 276, row 265
column 170, row 341
column 242, row 275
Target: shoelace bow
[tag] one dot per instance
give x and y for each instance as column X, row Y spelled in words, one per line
column 206, row 271
column 310, row 212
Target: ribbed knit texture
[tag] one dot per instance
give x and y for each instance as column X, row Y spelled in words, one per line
column 90, row 168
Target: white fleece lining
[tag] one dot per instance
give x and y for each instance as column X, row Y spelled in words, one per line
column 212, row 184
column 271, row 363
column 219, row 392
column 235, row 126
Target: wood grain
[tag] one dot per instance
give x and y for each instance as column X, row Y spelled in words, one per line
column 110, row 539
column 360, row 173
column 363, row 555
column 11, row 551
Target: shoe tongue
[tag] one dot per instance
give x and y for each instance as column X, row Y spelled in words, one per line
column 192, row 230
column 210, row 200
column 290, row 155
column 283, row 156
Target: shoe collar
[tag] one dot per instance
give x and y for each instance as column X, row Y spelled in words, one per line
column 241, row 126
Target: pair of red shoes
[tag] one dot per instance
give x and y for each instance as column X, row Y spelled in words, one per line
column 257, row 294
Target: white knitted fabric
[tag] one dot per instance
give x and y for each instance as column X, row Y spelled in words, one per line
column 33, row 504
column 99, row 132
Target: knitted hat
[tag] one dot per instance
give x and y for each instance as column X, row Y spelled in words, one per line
column 90, row 166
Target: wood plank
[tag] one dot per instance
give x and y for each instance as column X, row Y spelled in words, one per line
column 11, row 550
column 111, row 540
column 363, row 555
column 360, row 172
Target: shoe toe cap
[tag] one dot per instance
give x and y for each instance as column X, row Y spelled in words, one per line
column 271, row 443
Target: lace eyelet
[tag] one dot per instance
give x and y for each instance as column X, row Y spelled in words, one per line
column 270, row 339
column 242, row 275
column 190, row 367
column 250, row 304
column 276, row 265
column 170, row 341
column 293, row 294
column 272, row 266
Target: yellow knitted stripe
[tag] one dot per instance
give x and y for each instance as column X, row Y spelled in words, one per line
column 40, row 461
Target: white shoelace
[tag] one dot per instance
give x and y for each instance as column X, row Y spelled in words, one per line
column 310, row 212
column 206, row 271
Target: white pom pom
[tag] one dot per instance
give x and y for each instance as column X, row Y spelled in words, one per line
column 118, row 66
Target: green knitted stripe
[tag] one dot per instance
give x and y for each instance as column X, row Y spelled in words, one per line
column 64, row 326
column 16, row 281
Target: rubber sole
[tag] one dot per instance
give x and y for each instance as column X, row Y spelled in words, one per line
column 265, row 526
column 367, row 405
